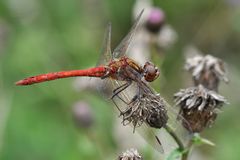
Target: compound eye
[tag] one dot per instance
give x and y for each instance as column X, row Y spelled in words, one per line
column 150, row 72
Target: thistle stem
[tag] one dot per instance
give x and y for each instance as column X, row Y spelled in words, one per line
column 179, row 142
column 175, row 137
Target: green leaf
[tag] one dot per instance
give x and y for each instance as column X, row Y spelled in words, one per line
column 198, row 140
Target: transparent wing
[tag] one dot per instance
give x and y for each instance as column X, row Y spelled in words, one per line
column 121, row 49
column 124, row 98
column 150, row 137
column 175, row 123
column 106, row 55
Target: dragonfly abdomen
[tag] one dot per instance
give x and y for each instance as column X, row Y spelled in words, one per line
column 91, row 72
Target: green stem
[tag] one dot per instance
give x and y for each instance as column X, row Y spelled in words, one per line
column 178, row 141
column 188, row 150
column 175, row 137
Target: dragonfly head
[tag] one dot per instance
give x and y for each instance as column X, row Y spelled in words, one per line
column 151, row 72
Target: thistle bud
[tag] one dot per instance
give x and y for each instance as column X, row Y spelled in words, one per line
column 199, row 107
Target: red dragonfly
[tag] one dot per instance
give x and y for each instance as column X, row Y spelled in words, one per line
column 123, row 72
column 119, row 67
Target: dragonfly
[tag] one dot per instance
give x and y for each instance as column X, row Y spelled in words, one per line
column 128, row 79
column 119, row 66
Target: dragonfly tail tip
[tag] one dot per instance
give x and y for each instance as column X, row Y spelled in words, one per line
column 19, row 83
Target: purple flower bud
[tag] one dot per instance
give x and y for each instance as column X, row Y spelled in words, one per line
column 83, row 115
column 155, row 20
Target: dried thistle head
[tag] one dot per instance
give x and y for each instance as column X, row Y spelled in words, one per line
column 198, row 106
column 149, row 109
column 206, row 70
column 131, row 154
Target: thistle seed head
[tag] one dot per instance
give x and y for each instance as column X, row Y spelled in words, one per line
column 198, row 106
column 149, row 108
column 207, row 70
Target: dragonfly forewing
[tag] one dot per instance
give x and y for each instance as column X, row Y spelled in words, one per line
column 121, row 49
column 174, row 122
column 150, row 136
column 105, row 54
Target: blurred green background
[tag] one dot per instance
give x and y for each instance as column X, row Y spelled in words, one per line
column 40, row 36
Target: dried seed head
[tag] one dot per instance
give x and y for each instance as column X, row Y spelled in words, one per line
column 148, row 108
column 198, row 106
column 206, row 70
column 131, row 154
column 83, row 115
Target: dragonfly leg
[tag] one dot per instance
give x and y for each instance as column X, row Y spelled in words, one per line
column 132, row 100
column 106, row 74
column 120, row 89
column 128, row 103
column 121, row 112
column 116, row 93
column 122, row 99
column 117, row 107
